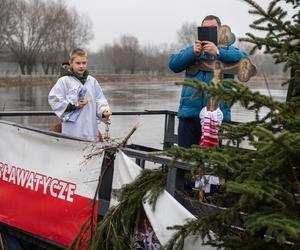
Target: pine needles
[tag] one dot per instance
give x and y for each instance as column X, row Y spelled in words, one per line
column 117, row 228
column 262, row 187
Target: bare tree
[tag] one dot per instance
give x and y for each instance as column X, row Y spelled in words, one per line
column 51, row 54
column 148, row 58
column 131, row 52
column 6, row 20
column 187, row 34
column 162, row 56
column 28, row 37
column 155, row 58
column 101, row 60
column 125, row 54
column 45, row 32
column 69, row 30
column 117, row 57
column 75, row 31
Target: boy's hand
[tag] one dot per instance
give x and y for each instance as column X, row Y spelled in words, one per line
column 106, row 113
column 81, row 104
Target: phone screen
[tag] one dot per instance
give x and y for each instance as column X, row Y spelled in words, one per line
column 208, row 34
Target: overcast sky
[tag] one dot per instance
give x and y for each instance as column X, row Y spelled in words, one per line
column 157, row 21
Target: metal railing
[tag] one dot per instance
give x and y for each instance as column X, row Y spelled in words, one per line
column 170, row 138
column 176, row 174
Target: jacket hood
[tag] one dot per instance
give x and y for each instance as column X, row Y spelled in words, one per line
column 65, row 70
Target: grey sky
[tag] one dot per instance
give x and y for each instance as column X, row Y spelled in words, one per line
column 157, row 21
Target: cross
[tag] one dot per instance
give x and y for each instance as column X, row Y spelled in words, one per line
column 244, row 69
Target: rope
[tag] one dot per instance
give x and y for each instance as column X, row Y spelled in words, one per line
column 107, row 132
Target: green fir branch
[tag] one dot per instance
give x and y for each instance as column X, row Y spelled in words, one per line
column 116, row 229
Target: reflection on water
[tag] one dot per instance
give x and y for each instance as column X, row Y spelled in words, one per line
column 121, row 97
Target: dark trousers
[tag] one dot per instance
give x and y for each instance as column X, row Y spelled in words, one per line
column 189, row 132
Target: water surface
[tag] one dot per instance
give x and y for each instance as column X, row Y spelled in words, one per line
column 121, row 97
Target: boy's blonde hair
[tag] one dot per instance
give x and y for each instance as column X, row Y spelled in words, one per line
column 77, row 52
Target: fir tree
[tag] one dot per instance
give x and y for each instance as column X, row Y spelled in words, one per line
column 281, row 39
column 262, row 191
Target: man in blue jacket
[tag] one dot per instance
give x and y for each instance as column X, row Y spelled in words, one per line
column 189, row 129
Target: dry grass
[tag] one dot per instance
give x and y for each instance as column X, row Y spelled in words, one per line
column 104, row 78
column 121, row 78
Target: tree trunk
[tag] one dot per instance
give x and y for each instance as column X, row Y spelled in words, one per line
column 29, row 68
column 45, row 67
column 22, row 68
column 294, row 87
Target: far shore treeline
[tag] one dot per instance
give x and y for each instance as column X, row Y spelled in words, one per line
column 36, row 37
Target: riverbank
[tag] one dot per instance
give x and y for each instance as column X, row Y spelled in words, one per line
column 11, row 80
column 104, row 79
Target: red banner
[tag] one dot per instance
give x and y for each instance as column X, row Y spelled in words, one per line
column 46, row 187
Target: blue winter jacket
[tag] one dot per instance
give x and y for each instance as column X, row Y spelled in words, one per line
column 190, row 108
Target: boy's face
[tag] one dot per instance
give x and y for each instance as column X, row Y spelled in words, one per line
column 79, row 65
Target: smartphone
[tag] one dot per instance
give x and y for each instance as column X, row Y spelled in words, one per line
column 208, row 34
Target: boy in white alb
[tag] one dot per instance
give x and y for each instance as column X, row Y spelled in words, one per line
column 77, row 99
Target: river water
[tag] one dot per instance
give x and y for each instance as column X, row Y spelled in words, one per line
column 122, row 97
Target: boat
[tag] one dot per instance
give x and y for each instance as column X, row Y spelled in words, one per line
column 49, row 182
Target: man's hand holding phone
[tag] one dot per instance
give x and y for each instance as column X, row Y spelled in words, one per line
column 208, row 39
column 210, row 48
column 206, row 46
column 197, row 47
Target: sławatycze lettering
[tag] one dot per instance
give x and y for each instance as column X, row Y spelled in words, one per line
column 27, row 179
